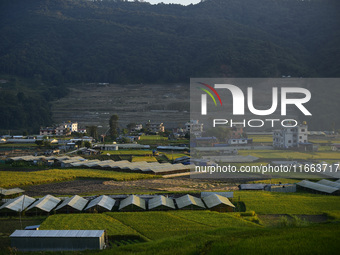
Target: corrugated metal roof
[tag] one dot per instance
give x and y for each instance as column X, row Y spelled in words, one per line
column 18, row 204
column 215, row 200
column 75, row 202
column 34, row 227
column 329, row 183
column 161, row 201
column 132, row 200
column 223, row 194
column 255, row 186
column 188, row 200
column 317, row 186
column 102, row 201
column 57, row 233
column 8, row 192
column 46, row 203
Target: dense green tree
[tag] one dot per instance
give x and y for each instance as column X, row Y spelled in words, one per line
column 92, row 131
column 113, row 123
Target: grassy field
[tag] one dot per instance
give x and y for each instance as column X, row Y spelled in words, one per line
column 143, row 158
column 291, row 155
column 206, row 232
column 129, row 152
column 269, row 139
column 153, row 138
column 265, row 202
column 88, row 221
column 261, row 138
column 19, row 178
column 149, row 225
column 170, row 155
column 9, row 224
column 18, row 145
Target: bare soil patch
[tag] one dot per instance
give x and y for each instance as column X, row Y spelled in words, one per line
column 115, row 187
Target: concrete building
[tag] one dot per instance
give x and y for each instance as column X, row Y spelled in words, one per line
column 290, row 137
column 60, row 130
column 194, row 128
column 72, row 126
column 155, row 127
column 58, row 240
column 239, row 141
column 136, row 128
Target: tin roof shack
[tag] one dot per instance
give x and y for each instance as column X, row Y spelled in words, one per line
column 188, row 202
column 100, row 204
column 132, row 203
column 10, row 193
column 317, row 188
column 218, row 203
column 57, row 240
column 44, row 205
column 73, row 204
column 161, row 203
column 227, row 194
column 16, row 205
column 255, row 186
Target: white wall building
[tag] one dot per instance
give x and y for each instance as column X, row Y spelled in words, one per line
column 290, row 137
column 72, row 126
column 194, row 127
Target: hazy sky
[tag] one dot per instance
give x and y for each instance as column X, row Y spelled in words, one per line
column 183, row 2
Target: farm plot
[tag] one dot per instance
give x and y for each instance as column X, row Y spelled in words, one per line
column 291, row 155
column 19, row 178
column 214, row 219
column 264, row 202
column 157, row 225
column 88, row 221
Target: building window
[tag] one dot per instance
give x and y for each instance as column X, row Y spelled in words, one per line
column 289, row 141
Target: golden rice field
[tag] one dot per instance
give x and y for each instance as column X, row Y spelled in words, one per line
column 20, row 178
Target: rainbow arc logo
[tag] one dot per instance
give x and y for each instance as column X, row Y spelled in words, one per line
column 209, row 93
column 204, row 97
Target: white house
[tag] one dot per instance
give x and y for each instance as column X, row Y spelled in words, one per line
column 290, row 137
column 194, row 127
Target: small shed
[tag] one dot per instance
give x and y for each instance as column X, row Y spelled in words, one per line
column 16, row 205
column 43, row 205
column 73, row 204
column 100, row 204
column 33, row 227
column 228, row 194
column 132, row 203
column 255, row 186
column 318, row 188
column 329, row 183
column 8, row 193
column 218, row 203
column 57, row 240
column 188, row 202
column 160, row 203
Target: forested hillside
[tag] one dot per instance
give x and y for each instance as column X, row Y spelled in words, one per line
column 69, row 41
